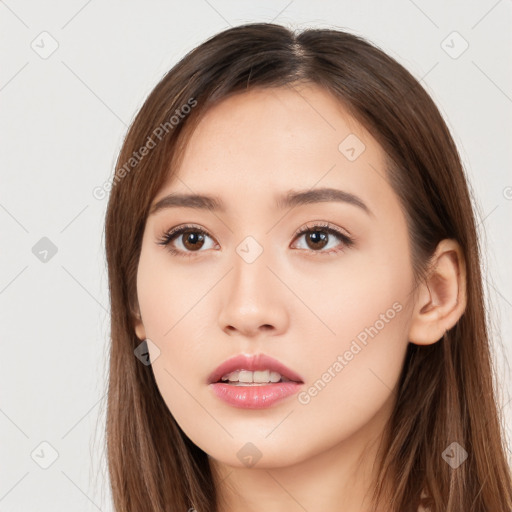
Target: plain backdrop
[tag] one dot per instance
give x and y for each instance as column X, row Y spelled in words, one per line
column 72, row 76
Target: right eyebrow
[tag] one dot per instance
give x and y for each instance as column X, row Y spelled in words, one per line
column 196, row 201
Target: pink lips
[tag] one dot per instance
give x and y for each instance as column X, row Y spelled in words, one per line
column 255, row 396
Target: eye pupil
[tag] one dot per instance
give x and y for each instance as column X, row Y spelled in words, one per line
column 194, row 238
column 318, row 237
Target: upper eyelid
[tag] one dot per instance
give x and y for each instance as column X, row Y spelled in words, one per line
column 345, row 236
column 307, row 227
column 310, row 226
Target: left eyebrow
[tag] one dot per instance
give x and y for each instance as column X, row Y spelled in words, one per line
column 318, row 195
column 288, row 200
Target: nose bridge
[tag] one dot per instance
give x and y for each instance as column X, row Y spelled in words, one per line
column 252, row 297
column 251, row 273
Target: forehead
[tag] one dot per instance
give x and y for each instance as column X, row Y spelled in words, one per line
column 304, row 118
column 278, row 139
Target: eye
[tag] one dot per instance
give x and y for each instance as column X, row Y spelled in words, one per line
column 190, row 238
column 318, row 236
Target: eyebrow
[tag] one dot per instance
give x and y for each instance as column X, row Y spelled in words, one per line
column 288, row 200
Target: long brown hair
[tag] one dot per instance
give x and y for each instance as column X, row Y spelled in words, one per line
column 447, row 390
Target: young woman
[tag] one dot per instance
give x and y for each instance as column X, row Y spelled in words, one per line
column 297, row 308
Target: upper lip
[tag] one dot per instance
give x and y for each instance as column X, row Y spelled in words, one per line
column 252, row 363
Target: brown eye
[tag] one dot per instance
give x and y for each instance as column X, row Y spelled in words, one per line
column 192, row 240
column 317, row 237
column 185, row 240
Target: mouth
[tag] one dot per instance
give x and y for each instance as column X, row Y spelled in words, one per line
column 254, row 382
column 253, row 370
column 254, row 378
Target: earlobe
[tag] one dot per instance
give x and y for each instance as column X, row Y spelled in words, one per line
column 441, row 299
column 140, row 331
column 139, row 327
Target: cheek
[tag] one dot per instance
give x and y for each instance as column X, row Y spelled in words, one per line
column 362, row 300
column 357, row 355
column 351, row 381
column 166, row 293
column 171, row 302
column 358, row 372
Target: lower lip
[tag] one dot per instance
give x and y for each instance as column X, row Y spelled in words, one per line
column 254, row 397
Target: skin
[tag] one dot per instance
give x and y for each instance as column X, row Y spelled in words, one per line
column 295, row 302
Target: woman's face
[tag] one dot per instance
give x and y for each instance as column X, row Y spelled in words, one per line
column 243, row 281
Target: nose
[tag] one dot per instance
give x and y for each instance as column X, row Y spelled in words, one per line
column 253, row 301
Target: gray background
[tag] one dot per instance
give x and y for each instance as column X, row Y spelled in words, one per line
column 64, row 115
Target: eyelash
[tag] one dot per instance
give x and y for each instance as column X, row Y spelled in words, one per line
column 173, row 233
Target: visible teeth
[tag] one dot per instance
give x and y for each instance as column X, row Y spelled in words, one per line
column 233, row 377
column 245, row 376
column 261, row 376
column 275, row 376
column 257, row 377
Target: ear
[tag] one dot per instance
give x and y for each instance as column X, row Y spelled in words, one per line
column 441, row 298
column 138, row 325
